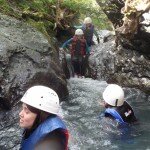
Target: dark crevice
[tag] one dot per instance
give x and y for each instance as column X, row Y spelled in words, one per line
column 4, row 104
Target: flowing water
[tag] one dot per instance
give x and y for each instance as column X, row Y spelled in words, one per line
column 88, row 131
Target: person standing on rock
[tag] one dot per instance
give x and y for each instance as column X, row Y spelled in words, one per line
column 43, row 129
column 89, row 30
column 79, row 49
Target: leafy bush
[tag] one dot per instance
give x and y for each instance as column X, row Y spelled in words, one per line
column 42, row 8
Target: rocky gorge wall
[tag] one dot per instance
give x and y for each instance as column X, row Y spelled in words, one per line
column 26, row 59
column 121, row 65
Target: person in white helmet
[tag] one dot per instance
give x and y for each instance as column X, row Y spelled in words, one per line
column 43, row 129
column 88, row 29
column 116, row 106
column 79, row 49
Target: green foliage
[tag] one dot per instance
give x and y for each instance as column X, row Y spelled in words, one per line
column 76, row 5
column 87, row 8
column 81, row 8
column 37, row 24
column 4, row 7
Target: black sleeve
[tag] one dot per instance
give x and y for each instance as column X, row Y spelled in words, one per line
column 53, row 141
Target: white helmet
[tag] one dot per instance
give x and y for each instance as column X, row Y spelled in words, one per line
column 79, row 32
column 114, row 95
column 87, row 20
column 43, row 98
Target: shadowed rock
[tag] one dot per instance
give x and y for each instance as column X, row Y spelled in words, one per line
column 26, row 59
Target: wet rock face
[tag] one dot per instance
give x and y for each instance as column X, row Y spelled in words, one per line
column 112, row 9
column 26, row 59
column 127, row 67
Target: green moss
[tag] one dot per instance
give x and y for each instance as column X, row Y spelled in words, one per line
column 39, row 25
column 4, row 7
column 42, row 27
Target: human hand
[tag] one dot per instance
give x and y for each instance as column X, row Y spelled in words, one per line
column 102, row 103
column 61, row 49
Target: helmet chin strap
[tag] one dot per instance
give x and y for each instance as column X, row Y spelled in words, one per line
column 116, row 102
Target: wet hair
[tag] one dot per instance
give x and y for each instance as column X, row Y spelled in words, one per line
column 41, row 117
column 107, row 105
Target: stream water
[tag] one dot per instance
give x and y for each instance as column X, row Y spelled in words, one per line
column 90, row 132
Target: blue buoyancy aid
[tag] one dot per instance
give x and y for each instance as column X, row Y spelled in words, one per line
column 113, row 112
column 42, row 130
column 123, row 114
column 88, row 34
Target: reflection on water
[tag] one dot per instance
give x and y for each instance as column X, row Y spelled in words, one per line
column 82, row 115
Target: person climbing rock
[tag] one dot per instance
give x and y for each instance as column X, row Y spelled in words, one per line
column 79, row 49
column 89, row 30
